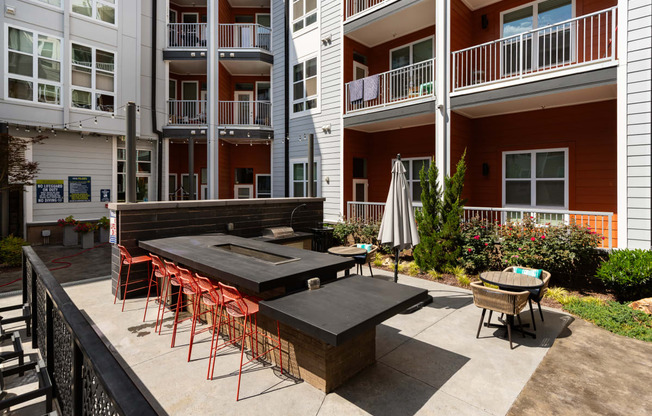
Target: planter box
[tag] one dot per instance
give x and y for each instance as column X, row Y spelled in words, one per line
column 104, row 235
column 69, row 236
column 88, row 240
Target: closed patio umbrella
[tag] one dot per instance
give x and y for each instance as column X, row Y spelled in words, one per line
column 398, row 227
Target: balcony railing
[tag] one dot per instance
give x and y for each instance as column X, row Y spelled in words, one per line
column 599, row 222
column 187, row 35
column 587, row 39
column 245, row 113
column 186, row 112
column 408, row 83
column 355, row 7
column 245, row 36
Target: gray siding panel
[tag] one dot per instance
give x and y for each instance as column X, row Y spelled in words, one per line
column 639, row 144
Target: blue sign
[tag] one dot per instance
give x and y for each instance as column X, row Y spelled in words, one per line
column 105, row 195
column 79, row 189
column 49, row 191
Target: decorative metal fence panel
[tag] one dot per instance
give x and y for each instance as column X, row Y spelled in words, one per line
column 87, row 378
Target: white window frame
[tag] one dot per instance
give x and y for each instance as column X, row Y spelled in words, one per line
column 148, row 175
column 304, row 99
column 364, row 67
column 411, row 44
column 258, row 175
column 408, row 176
column 535, row 13
column 305, row 180
column 171, row 191
column 304, row 29
column 533, row 179
column 94, row 17
column 43, row 3
column 175, row 89
column 34, row 79
column 249, row 186
column 364, row 182
column 256, row 91
column 185, row 175
column 93, row 90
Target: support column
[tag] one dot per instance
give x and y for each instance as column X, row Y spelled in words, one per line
column 131, row 153
column 191, row 169
column 4, row 180
column 212, row 70
column 442, row 88
column 311, row 162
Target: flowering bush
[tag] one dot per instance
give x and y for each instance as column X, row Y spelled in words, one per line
column 560, row 249
column 84, row 227
column 69, row 220
column 102, row 223
column 359, row 231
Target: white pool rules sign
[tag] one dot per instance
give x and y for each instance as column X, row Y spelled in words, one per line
column 113, row 228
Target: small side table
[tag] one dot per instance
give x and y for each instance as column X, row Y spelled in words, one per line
column 346, row 251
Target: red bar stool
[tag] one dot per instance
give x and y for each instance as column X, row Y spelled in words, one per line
column 246, row 307
column 128, row 259
column 189, row 288
column 212, row 298
column 172, row 273
column 158, row 272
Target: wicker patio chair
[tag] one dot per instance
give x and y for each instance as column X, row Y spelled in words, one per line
column 363, row 259
column 501, row 301
column 535, row 294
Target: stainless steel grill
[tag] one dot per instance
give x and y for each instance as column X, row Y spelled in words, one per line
column 278, row 232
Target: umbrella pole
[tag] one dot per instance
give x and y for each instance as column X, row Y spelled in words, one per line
column 396, row 265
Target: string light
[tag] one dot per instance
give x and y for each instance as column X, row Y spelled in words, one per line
column 95, row 120
column 27, row 129
column 52, row 130
column 251, row 143
column 65, row 127
column 39, row 129
column 17, row 127
column 80, row 124
column 113, row 115
column 81, row 135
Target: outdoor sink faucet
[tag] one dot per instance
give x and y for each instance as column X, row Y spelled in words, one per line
column 292, row 215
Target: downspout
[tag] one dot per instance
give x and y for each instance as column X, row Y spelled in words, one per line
column 159, row 153
column 287, row 100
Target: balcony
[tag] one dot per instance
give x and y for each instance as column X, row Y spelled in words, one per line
column 187, row 36
column 356, row 8
column 402, row 86
column 245, row 36
column 580, row 44
column 248, row 114
column 187, row 112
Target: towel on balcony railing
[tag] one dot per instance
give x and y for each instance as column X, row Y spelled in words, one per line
column 355, row 90
column 370, row 87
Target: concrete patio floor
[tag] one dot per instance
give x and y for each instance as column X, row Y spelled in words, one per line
column 428, row 362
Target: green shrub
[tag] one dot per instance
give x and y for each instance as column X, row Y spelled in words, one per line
column 613, row 316
column 11, row 250
column 563, row 250
column 360, row 232
column 628, row 273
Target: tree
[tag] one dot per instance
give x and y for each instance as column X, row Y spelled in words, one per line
column 15, row 170
column 439, row 219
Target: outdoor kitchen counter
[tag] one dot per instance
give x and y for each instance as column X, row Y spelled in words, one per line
column 249, row 264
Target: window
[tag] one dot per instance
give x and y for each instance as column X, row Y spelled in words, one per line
column 412, row 168
column 103, row 10
column 541, row 49
column 300, row 178
column 143, row 174
column 56, row 3
column 304, row 13
column 535, row 178
column 304, row 86
column 33, row 66
column 413, row 53
column 93, row 78
column 263, row 186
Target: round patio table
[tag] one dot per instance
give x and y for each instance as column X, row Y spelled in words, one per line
column 347, row 251
column 513, row 282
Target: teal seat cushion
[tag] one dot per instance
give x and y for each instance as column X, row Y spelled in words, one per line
column 365, row 246
column 530, row 272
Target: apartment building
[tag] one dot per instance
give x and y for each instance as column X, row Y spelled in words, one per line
column 550, row 99
column 69, row 66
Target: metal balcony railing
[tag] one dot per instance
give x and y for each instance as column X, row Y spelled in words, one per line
column 187, row 35
column 355, row 7
column 587, row 39
column 186, row 112
column 410, row 82
column 245, row 113
column 245, row 36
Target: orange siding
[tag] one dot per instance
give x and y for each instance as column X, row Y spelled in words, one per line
column 461, row 26
column 232, row 157
column 227, row 13
column 588, row 131
column 201, row 79
column 179, row 162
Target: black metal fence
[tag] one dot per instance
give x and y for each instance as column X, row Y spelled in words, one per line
column 87, row 378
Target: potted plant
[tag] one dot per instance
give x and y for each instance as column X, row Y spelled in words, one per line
column 103, row 226
column 87, row 234
column 69, row 235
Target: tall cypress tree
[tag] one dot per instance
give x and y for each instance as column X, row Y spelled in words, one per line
column 439, row 219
